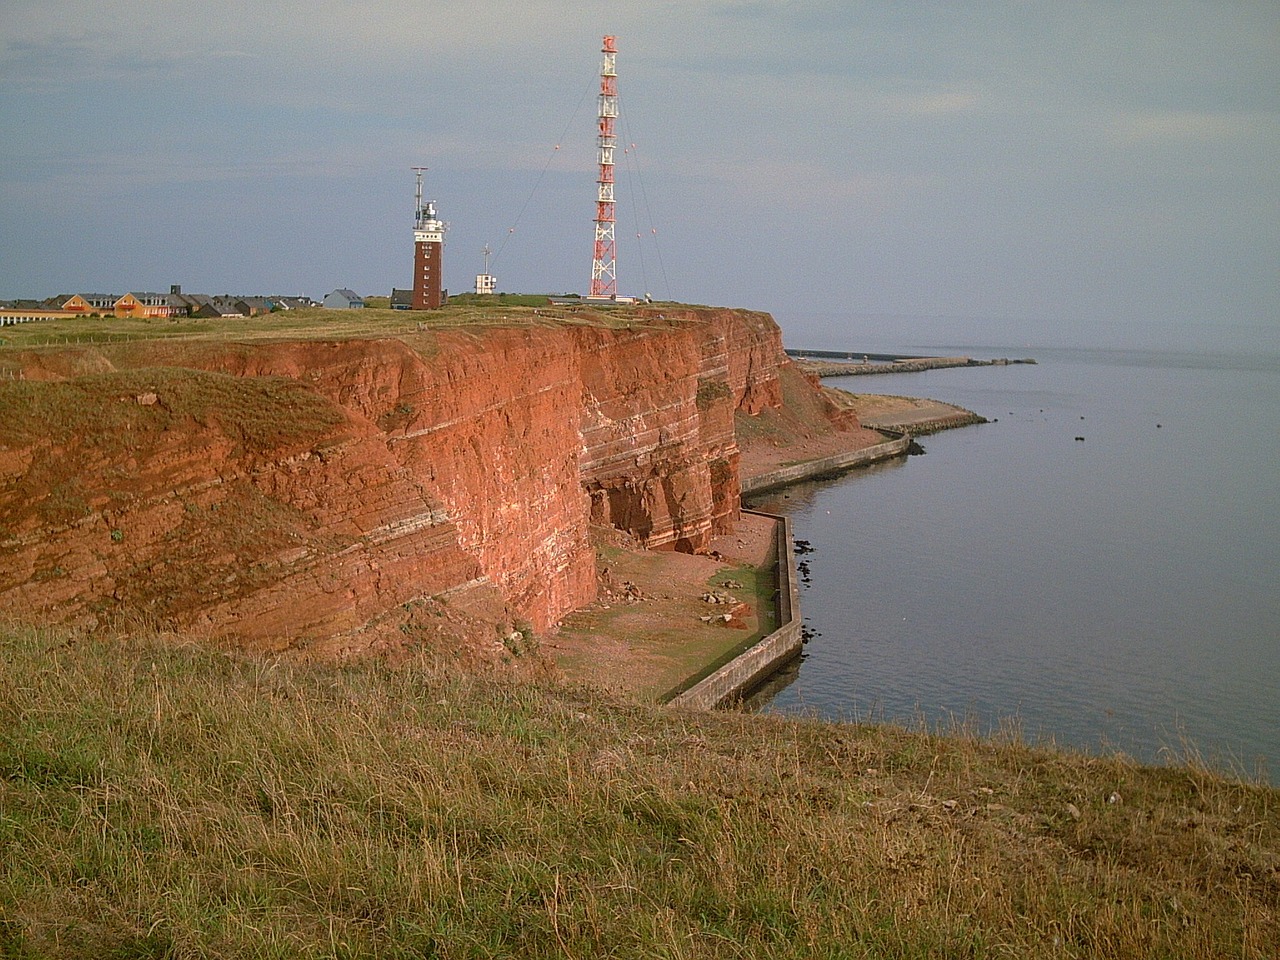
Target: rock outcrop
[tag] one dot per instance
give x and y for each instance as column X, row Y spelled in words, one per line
column 276, row 492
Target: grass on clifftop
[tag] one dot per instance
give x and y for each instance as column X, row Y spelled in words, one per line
column 317, row 323
column 167, row 801
column 115, row 409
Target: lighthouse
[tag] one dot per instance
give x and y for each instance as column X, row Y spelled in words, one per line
column 428, row 252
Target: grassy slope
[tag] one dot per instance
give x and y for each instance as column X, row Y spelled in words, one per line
column 158, row 800
column 101, row 409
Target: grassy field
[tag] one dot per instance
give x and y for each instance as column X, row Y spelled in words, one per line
column 160, row 800
column 313, row 323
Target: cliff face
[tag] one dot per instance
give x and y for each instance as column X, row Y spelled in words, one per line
column 281, row 491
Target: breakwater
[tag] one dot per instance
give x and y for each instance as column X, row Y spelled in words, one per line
column 917, row 427
column 831, row 363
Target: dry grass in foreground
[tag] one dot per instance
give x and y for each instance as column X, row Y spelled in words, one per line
column 168, row 801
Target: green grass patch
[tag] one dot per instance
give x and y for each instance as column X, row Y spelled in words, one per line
column 756, row 586
column 709, row 392
column 501, row 299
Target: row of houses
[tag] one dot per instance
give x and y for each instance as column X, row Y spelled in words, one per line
column 174, row 304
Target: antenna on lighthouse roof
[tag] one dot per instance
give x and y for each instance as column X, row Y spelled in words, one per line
column 417, row 203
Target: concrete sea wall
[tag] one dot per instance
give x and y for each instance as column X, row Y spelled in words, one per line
column 832, row 363
column 770, row 652
column 836, row 368
column 896, row 447
column 762, row 659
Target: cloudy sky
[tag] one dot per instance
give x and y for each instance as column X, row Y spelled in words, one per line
column 852, row 167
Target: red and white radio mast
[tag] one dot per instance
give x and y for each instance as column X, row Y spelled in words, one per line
column 604, row 265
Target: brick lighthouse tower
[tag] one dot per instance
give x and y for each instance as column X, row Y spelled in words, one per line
column 428, row 253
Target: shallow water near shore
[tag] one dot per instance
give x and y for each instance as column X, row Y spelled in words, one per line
column 1116, row 592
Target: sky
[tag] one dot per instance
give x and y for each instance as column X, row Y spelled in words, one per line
column 868, row 172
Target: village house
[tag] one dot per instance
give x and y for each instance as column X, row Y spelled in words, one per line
column 143, row 305
column 27, row 311
column 75, row 303
column 214, row 308
column 146, row 305
column 100, row 303
column 253, row 306
column 292, row 303
column 343, row 299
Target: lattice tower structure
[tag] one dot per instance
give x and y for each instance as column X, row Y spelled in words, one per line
column 604, row 264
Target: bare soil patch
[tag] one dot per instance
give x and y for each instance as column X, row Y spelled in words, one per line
column 875, row 410
column 663, row 617
column 813, row 422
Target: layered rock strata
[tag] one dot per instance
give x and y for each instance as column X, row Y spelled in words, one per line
column 279, row 491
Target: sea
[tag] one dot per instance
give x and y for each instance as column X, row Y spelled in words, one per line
column 1098, row 567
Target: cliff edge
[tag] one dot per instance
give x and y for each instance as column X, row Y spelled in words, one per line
column 278, row 493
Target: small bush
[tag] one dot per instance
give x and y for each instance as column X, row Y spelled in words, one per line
column 710, row 391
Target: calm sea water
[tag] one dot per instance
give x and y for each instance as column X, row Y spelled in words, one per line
column 1116, row 593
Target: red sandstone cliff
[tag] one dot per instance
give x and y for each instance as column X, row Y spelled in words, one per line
column 279, row 491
